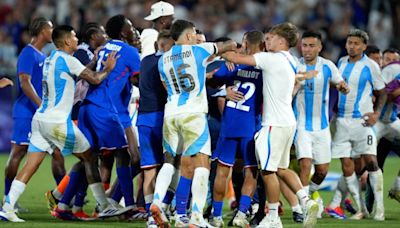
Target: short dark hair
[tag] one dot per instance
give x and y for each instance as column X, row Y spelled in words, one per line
column 222, row 39
column 392, row 50
column 360, row 34
column 37, row 25
column 178, row 27
column 288, row 31
column 255, row 37
column 88, row 30
column 115, row 25
column 59, row 34
column 164, row 34
column 199, row 32
column 311, row 34
column 371, row 49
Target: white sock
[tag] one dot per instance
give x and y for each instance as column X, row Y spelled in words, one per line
column 303, row 197
column 17, row 188
column 148, row 198
column 313, row 188
column 76, row 209
column 340, row 193
column 57, row 194
column 354, row 189
column 63, row 206
column 162, row 182
column 99, row 194
column 376, row 180
column 307, row 189
column 297, row 209
column 273, row 210
column 199, row 189
column 397, row 183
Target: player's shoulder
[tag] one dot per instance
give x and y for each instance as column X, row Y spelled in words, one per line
column 326, row 62
column 343, row 60
column 371, row 64
column 392, row 68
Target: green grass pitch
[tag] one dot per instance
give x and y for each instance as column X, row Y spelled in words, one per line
column 38, row 215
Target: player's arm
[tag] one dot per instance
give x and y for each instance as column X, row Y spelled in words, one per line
column 27, row 88
column 239, row 58
column 226, row 46
column 6, row 82
column 395, row 93
column 96, row 78
column 372, row 117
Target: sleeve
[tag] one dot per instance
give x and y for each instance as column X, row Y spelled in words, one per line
column 75, row 67
column 377, row 80
column 388, row 74
column 336, row 77
column 82, row 56
column 211, row 48
column 262, row 59
column 25, row 63
column 132, row 59
column 148, row 38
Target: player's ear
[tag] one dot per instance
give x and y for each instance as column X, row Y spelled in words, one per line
column 262, row 46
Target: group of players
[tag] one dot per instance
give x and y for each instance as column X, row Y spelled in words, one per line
column 273, row 101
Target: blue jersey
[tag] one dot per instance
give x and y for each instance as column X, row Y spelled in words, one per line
column 108, row 94
column 362, row 77
column 30, row 62
column 311, row 102
column 240, row 118
column 84, row 53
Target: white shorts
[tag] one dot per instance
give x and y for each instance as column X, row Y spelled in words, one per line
column 186, row 134
column 64, row 136
column 352, row 139
column 390, row 131
column 315, row 145
column 273, row 147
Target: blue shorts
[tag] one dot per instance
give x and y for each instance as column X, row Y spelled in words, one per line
column 21, row 131
column 151, row 150
column 101, row 127
column 227, row 148
column 125, row 119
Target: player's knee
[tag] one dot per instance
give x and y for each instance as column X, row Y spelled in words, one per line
column 122, row 157
column 371, row 165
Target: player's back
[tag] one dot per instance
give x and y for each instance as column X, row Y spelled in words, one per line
column 183, row 69
column 59, row 72
column 362, row 76
column 30, row 61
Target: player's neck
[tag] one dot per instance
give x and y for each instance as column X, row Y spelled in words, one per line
column 311, row 62
column 66, row 50
column 38, row 43
column 353, row 59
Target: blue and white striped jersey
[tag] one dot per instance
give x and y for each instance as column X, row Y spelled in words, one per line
column 183, row 69
column 390, row 110
column 363, row 77
column 311, row 102
column 59, row 72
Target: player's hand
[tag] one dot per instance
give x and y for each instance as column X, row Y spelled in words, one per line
column 109, row 64
column 370, row 118
column 96, row 52
column 343, row 87
column 4, row 82
column 301, row 76
column 233, row 95
column 211, row 74
column 230, row 66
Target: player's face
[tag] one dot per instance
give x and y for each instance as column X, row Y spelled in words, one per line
column 100, row 37
column 200, row 38
column 355, row 46
column 166, row 21
column 130, row 35
column 389, row 57
column 72, row 41
column 310, row 48
column 47, row 31
column 267, row 41
column 376, row 57
column 273, row 42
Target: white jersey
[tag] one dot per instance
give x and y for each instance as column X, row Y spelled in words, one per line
column 148, row 38
column 183, row 70
column 390, row 110
column 363, row 77
column 279, row 71
column 59, row 71
column 311, row 102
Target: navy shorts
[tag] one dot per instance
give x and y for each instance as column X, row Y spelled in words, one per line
column 227, row 148
column 21, row 131
column 151, row 150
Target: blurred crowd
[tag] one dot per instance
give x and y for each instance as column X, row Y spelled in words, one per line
column 218, row 18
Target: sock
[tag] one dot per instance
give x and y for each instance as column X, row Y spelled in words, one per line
column 182, row 195
column 273, row 209
column 244, row 203
column 354, row 189
column 117, row 194
column 297, row 209
column 80, row 194
column 148, row 199
column 199, row 189
column 376, row 180
column 125, row 181
column 162, row 182
column 168, row 197
column 58, row 179
column 7, row 185
column 99, row 194
column 106, row 185
column 303, row 197
column 397, row 183
column 16, row 189
column 307, row 189
column 217, row 206
column 72, row 188
column 313, row 187
column 63, row 184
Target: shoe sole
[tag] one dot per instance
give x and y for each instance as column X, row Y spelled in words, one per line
column 119, row 212
column 311, row 218
column 156, row 214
